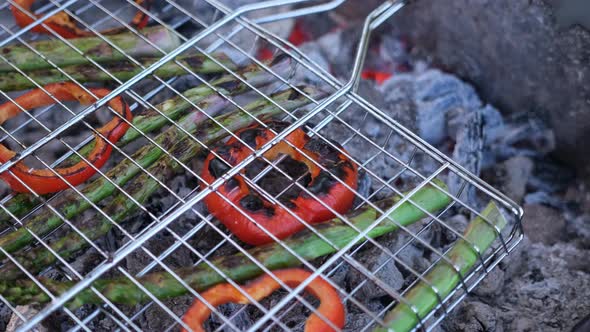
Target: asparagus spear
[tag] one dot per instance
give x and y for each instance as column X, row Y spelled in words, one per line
column 71, row 204
column 143, row 186
column 443, row 276
column 152, row 121
column 122, row 70
column 239, row 267
column 95, row 48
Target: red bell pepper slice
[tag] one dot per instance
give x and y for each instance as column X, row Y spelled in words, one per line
column 45, row 181
column 274, row 218
column 331, row 307
column 65, row 26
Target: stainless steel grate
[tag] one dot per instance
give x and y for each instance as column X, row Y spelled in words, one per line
column 173, row 214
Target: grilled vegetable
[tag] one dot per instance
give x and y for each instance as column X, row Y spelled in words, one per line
column 56, row 53
column 171, row 109
column 274, row 218
column 142, row 187
column 330, row 309
column 64, row 25
column 241, row 267
column 122, row 70
column 47, row 181
column 444, row 277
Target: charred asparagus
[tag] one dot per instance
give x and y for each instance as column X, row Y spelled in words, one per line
column 239, row 267
column 143, row 186
column 95, row 48
column 71, row 204
column 152, row 121
column 121, row 70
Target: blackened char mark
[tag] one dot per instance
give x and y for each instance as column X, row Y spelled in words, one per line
column 255, row 167
column 225, row 152
column 117, row 66
column 229, row 85
column 278, row 59
column 254, row 203
column 231, row 184
column 321, row 184
column 339, row 169
column 194, row 61
column 307, row 127
column 290, row 204
column 326, row 152
column 217, row 167
column 249, row 136
column 294, row 95
column 278, row 126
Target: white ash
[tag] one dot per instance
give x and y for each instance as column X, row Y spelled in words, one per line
column 482, row 317
column 544, row 198
column 578, row 228
column 491, row 285
column 333, row 52
column 545, row 289
column 385, row 269
column 468, row 153
column 527, row 136
column 514, row 175
column 436, row 95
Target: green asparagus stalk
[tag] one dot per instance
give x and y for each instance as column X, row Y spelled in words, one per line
column 122, row 70
column 239, row 267
column 95, row 48
column 70, row 204
column 443, row 276
column 143, row 186
column 151, row 121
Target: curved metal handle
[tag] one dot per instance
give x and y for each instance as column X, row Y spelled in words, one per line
column 373, row 20
column 278, row 3
column 326, row 6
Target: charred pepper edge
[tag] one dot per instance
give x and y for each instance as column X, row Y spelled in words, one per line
column 331, row 307
column 45, row 181
column 64, row 25
column 277, row 220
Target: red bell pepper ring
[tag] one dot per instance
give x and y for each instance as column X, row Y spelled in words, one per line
column 274, row 218
column 65, row 26
column 46, row 181
column 331, row 307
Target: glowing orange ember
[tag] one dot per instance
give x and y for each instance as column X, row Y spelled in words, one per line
column 375, row 75
column 299, row 35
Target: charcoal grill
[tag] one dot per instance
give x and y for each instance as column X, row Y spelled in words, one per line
column 339, row 110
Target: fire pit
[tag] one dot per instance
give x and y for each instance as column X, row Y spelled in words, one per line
column 133, row 245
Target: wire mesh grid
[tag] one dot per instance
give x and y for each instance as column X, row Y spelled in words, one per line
column 192, row 81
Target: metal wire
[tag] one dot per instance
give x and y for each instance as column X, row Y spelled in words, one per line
column 218, row 28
